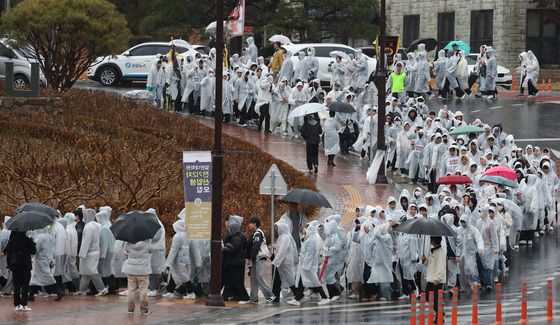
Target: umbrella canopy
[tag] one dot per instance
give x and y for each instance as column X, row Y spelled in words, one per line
column 499, row 180
column 454, row 179
column 431, row 44
column 425, row 226
column 280, row 38
column 306, row 197
column 467, row 129
column 502, row 172
column 305, row 109
column 38, row 207
column 135, row 226
column 462, row 46
column 342, row 55
column 29, row 220
column 341, row 107
column 513, row 209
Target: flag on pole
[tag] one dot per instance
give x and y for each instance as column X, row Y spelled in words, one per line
column 236, row 20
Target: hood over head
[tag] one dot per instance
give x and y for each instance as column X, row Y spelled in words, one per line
column 283, row 227
column 179, row 226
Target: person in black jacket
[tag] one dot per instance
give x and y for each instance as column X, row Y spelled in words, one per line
column 233, row 261
column 311, row 132
column 18, row 251
column 257, row 253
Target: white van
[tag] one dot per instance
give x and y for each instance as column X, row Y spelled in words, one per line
column 22, row 59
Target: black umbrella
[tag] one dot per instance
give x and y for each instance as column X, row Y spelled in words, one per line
column 135, row 226
column 425, row 226
column 341, row 107
column 29, row 220
column 430, row 43
column 38, row 207
column 306, row 197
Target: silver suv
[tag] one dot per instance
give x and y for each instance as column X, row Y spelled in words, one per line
column 22, row 59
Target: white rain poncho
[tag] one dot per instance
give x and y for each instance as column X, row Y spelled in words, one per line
column 178, row 259
column 4, row 237
column 158, row 247
column 208, row 92
column 410, row 69
column 42, row 274
column 439, row 69
column 332, row 139
column 469, row 243
column 286, row 255
column 106, row 244
column 89, row 251
column 333, row 250
column 421, row 84
column 407, row 251
column 490, row 238
column 532, row 68
column 309, row 257
column 361, row 72
column 287, row 69
column 355, row 260
column 381, row 271
column 59, row 235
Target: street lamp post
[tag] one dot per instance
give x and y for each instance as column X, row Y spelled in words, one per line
column 380, row 79
column 215, row 296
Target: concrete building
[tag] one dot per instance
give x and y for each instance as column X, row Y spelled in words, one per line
column 509, row 26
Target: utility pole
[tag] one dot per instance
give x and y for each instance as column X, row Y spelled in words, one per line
column 215, row 296
column 380, row 78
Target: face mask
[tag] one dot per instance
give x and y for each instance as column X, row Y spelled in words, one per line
column 398, row 122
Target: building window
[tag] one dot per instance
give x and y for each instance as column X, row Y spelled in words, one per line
column 411, row 29
column 543, row 37
column 481, row 28
column 445, row 28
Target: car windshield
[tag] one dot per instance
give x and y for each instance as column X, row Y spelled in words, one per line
column 471, row 59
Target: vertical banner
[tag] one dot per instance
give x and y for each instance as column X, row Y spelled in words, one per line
column 236, row 20
column 392, row 46
column 197, row 173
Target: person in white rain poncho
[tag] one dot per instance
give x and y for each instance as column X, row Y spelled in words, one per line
column 403, row 147
column 285, row 259
column 207, row 93
column 381, row 270
column 332, row 250
column 41, row 275
column 463, row 73
column 297, row 98
column 469, row 244
column 4, row 271
column 156, row 82
column 331, row 138
column 337, row 69
column 227, row 97
column 311, row 65
column 58, row 231
column 179, row 262
column 490, row 252
column 71, row 275
column 89, row 255
column 421, row 83
column 280, row 107
column 309, row 261
column 369, row 130
column 252, row 50
column 533, row 204
column 361, row 73
column 416, row 157
column 410, row 69
column 451, row 77
column 355, row 260
column 440, row 72
column 452, row 257
column 532, row 69
column 106, row 250
column 157, row 257
column 264, row 98
column 407, row 252
column 287, row 69
column 491, row 74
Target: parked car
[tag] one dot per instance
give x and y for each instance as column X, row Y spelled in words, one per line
column 504, row 75
column 22, row 59
column 135, row 63
column 322, row 51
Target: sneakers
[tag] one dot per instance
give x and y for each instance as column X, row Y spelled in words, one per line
column 335, row 298
column 354, row 296
column 293, row 302
column 171, row 295
column 270, row 300
column 403, row 297
column 550, row 228
column 124, row 293
column 103, row 292
column 146, row 313
column 25, row 308
column 42, row 294
column 541, row 232
column 152, row 293
column 324, row 301
column 537, row 234
column 18, row 307
column 190, row 296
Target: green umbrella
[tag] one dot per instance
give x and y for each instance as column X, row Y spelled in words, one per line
column 499, row 180
column 466, row 130
column 462, row 46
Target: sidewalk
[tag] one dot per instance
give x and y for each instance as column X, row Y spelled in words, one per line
column 344, row 185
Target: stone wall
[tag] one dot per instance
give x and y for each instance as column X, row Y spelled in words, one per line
column 509, row 27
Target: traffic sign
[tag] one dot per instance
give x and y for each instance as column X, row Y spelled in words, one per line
column 273, row 179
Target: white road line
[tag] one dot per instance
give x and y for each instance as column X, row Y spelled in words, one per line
column 495, row 107
column 475, row 111
column 537, row 140
column 517, row 104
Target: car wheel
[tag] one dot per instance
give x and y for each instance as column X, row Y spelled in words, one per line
column 21, row 82
column 108, row 76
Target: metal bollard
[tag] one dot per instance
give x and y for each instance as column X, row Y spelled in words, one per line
column 498, row 304
column 549, row 307
column 413, row 309
column 455, row 305
column 524, row 302
column 440, row 308
column 474, row 319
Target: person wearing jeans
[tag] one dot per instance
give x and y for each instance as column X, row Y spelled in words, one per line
column 137, row 268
